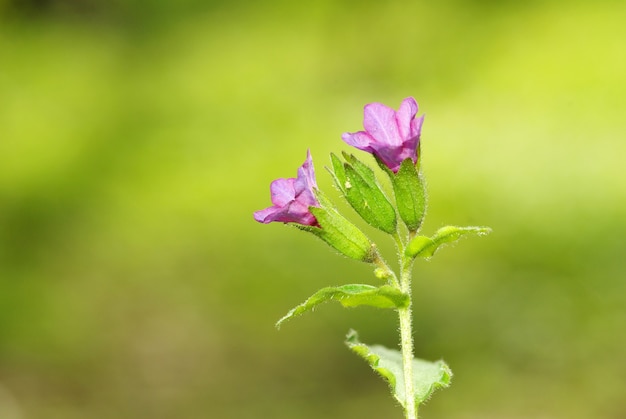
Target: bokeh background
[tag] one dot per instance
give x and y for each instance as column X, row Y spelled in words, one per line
column 137, row 138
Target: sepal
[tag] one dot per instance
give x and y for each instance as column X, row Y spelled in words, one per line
column 410, row 192
column 352, row 295
column 358, row 184
column 426, row 247
column 427, row 376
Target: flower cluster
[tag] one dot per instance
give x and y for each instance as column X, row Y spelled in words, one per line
column 391, row 136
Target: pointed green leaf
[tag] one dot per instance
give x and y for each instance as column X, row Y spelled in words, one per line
column 361, row 168
column 342, row 235
column 338, row 172
column 323, row 200
column 427, row 376
column 369, row 201
column 359, row 186
column 410, row 192
column 352, row 295
column 426, row 247
column 338, row 232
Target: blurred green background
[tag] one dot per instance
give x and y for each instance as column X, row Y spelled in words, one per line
column 137, row 138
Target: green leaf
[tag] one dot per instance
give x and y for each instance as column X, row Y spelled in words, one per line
column 361, row 168
column 352, row 295
column 369, row 201
column 426, row 247
column 359, row 186
column 408, row 186
column 338, row 172
column 427, row 376
column 338, row 232
column 342, row 235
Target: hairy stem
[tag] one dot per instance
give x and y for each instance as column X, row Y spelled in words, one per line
column 406, row 341
column 406, row 328
column 407, row 361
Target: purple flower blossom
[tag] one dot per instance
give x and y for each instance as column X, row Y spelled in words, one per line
column 389, row 135
column 292, row 198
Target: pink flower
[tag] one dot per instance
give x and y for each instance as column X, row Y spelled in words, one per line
column 292, row 198
column 389, row 135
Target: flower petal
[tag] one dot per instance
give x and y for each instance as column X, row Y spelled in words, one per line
column 283, row 191
column 404, row 117
column 380, row 123
column 268, row 215
column 305, row 183
column 294, row 212
column 391, row 156
column 361, row 140
column 298, row 212
column 306, row 175
column 416, row 126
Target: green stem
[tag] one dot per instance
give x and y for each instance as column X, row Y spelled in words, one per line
column 406, row 342
column 406, row 329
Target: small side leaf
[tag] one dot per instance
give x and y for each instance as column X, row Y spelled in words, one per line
column 427, row 376
column 426, row 247
column 352, row 295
